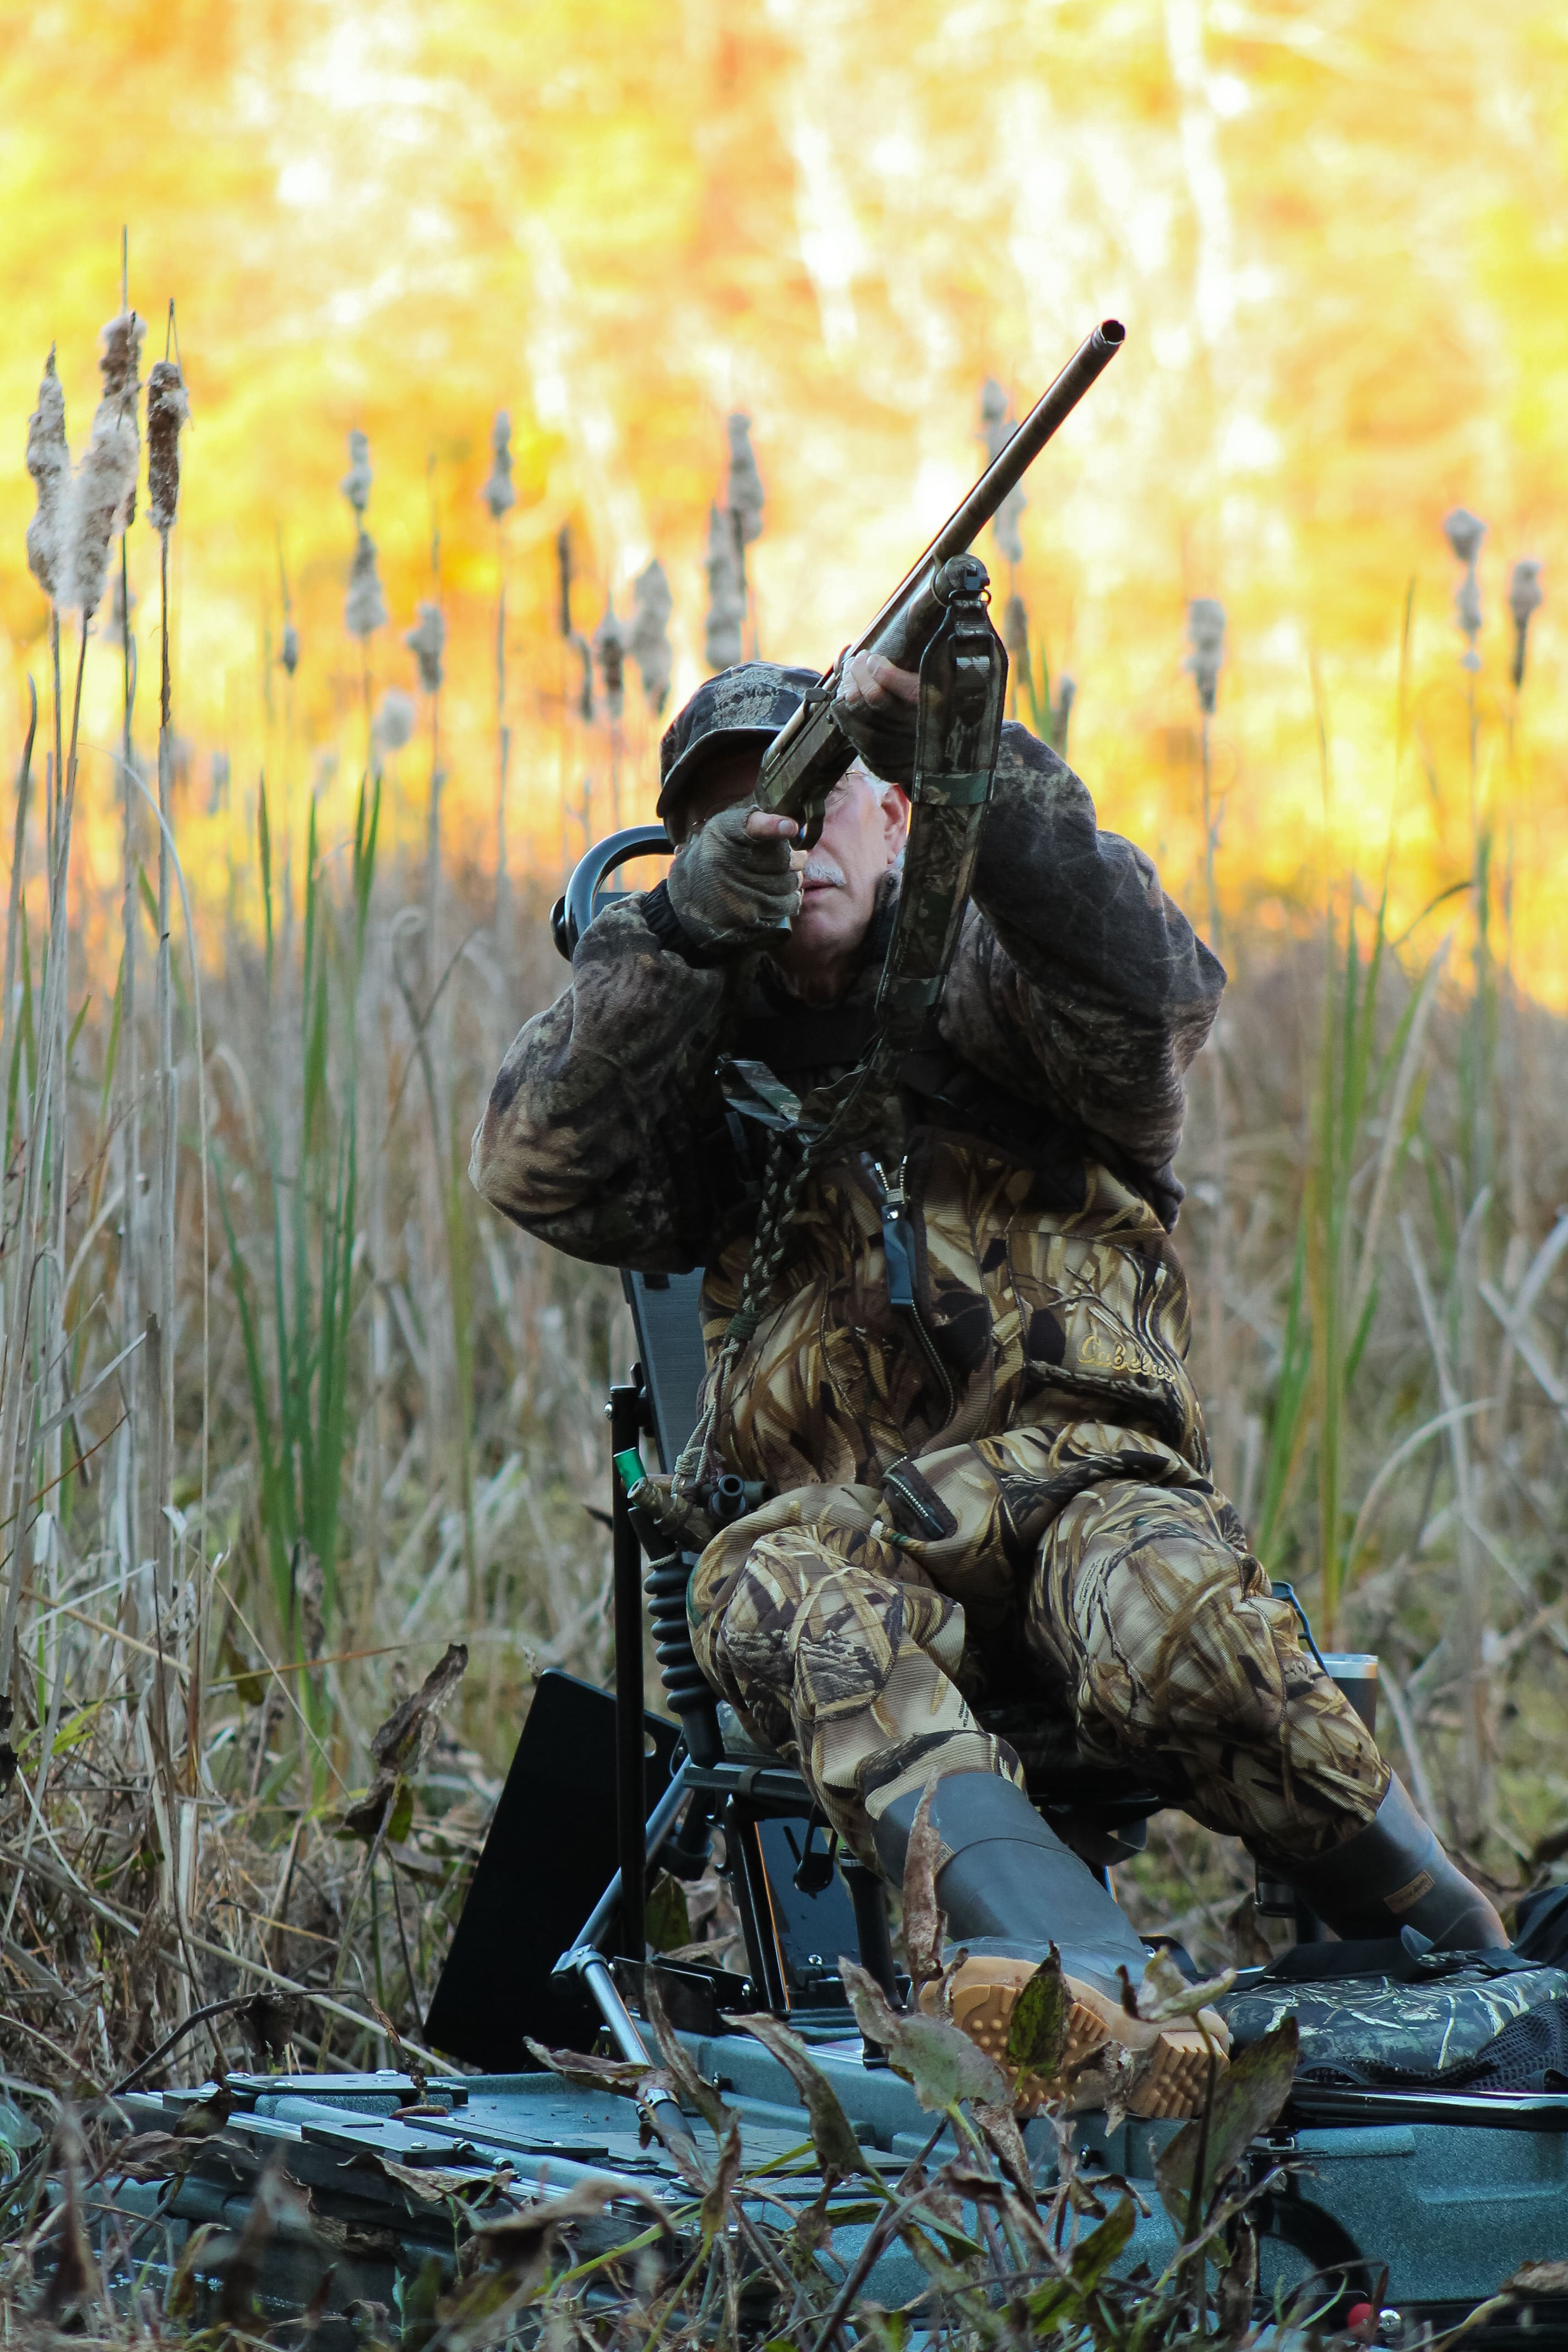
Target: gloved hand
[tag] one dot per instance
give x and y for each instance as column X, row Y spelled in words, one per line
column 877, row 706
column 736, row 880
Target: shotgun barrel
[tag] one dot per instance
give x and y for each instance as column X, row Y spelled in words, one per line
column 807, row 758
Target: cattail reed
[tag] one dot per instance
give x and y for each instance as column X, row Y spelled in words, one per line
column 364, row 607
column 288, row 643
column 393, row 727
column 104, row 495
column 610, row 653
column 499, row 496
column 1524, row 598
column 103, row 500
column 71, row 540
column 49, row 464
column 427, row 641
column 1205, row 659
column 721, row 641
column 498, row 493
column 649, row 642
column 564, row 576
column 743, row 495
column 1465, row 532
column 1206, row 637
column 168, row 412
column 355, row 484
column 996, row 429
column 744, row 501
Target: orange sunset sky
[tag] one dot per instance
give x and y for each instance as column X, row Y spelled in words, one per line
column 1337, row 233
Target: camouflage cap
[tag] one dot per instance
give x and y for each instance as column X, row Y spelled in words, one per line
column 747, row 704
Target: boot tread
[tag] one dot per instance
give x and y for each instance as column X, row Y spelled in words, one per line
column 1175, row 2076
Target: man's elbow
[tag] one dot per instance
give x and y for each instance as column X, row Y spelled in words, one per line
column 511, row 1165
column 501, row 1172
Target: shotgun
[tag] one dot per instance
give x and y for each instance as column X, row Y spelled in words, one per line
column 807, row 756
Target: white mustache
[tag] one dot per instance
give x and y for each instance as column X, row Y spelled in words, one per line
column 818, row 868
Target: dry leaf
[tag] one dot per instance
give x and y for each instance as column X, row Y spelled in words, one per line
column 923, row 1919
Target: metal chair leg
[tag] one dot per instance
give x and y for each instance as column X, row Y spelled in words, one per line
column 866, row 1893
column 748, row 1876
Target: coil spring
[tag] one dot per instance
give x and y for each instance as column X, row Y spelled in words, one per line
column 684, row 1681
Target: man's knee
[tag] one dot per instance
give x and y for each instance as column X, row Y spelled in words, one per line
column 1171, row 1639
column 1166, row 1624
column 804, row 1600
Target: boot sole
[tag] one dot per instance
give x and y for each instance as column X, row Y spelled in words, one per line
column 1172, row 2079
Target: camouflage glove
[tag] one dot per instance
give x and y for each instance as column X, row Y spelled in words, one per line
column 728, row 889
column 876, row 707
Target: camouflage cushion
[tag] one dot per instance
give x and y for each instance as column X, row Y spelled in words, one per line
column 1469, row 2029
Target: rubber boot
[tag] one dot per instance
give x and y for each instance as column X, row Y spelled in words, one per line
column 1394, row 1874
column 1008, row 1891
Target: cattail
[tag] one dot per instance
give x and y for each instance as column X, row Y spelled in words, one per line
column 563, row 576
column 497, row 493
column 744, row 495
column 118, row 632
column 49, row 464
column 167, row 410
column 1061, row 712
column 1524, row 597
column 610, row 648
column 996, row 429
column 649, row 644
column 428, row 641
column 103, row 495
column 394, row 716
column 1015, row 632
column 355, row 484
column 1465, row 532
column 565, row 572
column 726, row 598
column 289, row 652
column 1206, row 635
column 364, row 610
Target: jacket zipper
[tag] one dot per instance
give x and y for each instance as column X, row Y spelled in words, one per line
column 899, row 1259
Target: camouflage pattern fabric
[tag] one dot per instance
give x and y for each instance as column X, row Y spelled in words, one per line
column 1055, row 1317
column 1077, row 986
column 863, row 1654
column 1464, row 2031
column 837, row 1653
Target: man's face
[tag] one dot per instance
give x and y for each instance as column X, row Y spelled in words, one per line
column 862, row 836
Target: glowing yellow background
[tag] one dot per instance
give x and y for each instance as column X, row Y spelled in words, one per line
column 1338, row 234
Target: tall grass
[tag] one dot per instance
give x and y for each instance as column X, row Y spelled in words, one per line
column 364, row 1419
column 299, row 1391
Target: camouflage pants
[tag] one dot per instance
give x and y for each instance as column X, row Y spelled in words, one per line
column 1130, row 1612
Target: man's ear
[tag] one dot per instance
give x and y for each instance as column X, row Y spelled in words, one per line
column 895, row 819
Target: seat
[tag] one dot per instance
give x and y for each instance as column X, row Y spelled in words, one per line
column 797, row 1910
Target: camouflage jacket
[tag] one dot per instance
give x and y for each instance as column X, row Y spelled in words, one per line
column 1041, row 1118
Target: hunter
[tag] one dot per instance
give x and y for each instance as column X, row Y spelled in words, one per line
column 1001, row 1497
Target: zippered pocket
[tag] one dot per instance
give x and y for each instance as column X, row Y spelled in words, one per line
column 899, row 1261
